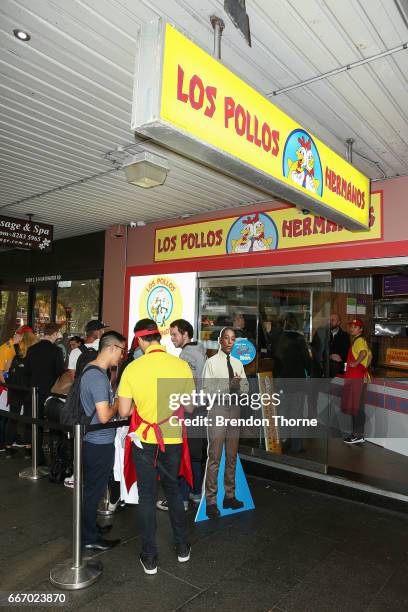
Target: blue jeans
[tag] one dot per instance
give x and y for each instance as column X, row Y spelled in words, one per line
column 150, row 463
column 98, row 464
column 197, row 481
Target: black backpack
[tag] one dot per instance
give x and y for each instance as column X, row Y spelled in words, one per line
column 73, row 413
column 87, row 355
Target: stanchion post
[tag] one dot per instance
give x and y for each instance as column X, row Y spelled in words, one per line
column 34, row 472
column 103, row 509
column 76, row 573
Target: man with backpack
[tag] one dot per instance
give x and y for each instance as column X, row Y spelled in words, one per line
column 98, row 406
column 87, row 351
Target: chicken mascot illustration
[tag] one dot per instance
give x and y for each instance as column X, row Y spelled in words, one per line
column 259, row 242
column 244, row 243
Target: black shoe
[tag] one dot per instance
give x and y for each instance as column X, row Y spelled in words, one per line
column 212, row 511
column 102, row 544
column 183, row 552
column 233, row 503
column 104, row 529
column 10, row 452
column 149, row 563
column 28, row 453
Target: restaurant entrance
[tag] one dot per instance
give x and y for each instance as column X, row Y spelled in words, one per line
column 267, row 310
column 259, row 307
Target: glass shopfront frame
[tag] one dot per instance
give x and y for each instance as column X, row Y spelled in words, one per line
column 383, row 461
column 70, row 303
column 262, row 301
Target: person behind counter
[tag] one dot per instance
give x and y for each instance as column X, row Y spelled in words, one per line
column 330, row 348
column 355, row 382
column 293, row 365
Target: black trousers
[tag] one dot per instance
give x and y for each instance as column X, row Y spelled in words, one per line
column 97, row 466
column 149, row 463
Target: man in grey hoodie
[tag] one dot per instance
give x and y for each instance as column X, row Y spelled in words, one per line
column 181, row 333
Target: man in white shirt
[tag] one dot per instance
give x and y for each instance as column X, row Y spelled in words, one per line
column 225, row 374
column 94, row 330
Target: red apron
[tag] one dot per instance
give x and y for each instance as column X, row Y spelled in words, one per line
column 129, row 469
column 354, row 381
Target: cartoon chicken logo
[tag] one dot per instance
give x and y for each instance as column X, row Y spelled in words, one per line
column 305, row 170
column 160, row 307
column 252, row 235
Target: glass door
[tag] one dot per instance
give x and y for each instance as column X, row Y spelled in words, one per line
column 280, row 316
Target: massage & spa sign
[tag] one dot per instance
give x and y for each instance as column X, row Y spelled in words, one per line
column 285, row 228
column 190, row 102
column 24, row 234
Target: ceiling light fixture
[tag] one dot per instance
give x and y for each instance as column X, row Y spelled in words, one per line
column 21, row 35
column 146, row 170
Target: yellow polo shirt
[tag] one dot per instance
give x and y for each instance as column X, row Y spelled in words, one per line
column 154, row 381
column 360, row 344
column 7, row 354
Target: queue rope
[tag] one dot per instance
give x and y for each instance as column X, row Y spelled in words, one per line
column 76, row 573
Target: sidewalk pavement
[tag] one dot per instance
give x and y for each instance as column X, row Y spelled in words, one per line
column 298, row 551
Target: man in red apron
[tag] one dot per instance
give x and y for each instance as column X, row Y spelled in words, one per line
column 156, row 440
column 355, row 382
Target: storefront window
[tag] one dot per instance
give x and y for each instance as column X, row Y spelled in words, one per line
column 13, row 312
column 77, row 303
column 42, row 309
column 259, row 308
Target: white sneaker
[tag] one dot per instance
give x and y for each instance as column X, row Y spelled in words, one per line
column 183, row 553
column 69, row 482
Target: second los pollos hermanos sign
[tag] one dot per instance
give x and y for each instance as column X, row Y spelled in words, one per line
column 23, row 234
column 190, row 102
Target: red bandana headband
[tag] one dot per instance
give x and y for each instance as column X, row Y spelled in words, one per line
column 146, row 332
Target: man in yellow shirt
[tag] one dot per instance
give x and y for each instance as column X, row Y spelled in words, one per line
column 151, row 388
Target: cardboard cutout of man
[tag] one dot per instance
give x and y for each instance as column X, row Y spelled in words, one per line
column 225, row 375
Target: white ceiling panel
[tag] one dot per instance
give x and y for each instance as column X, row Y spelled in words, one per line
column 66, row 95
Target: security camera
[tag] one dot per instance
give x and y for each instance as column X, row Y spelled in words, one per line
column 305, row 211
column 133, row 224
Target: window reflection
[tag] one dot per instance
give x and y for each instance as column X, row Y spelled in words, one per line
column 13, row 312
column 77, row 303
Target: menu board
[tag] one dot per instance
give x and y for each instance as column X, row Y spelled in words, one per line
column 395, row 284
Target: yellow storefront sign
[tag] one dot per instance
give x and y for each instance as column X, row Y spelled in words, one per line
column 207, row 112
column 285, row 228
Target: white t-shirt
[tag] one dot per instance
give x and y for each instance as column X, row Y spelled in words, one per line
column 76, row 353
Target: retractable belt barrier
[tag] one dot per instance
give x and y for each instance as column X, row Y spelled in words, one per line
column 76, row 573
